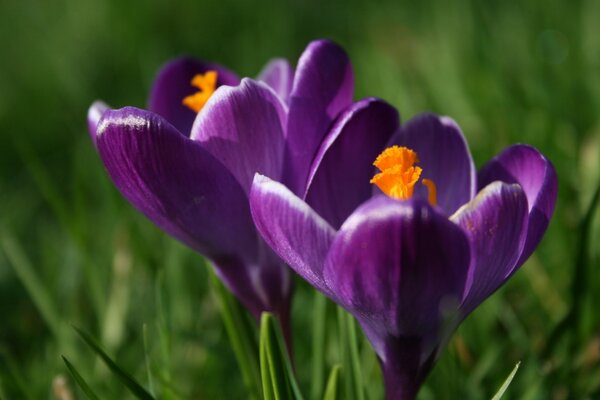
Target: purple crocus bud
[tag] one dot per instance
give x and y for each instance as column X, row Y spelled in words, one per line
column 188, row 162
column 411, row 258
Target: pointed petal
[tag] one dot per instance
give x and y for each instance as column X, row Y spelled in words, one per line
column 93, row 117
column 340, row 174
column 176, row 184
column 323, row 87
column 496, row 223
column 529, row 168
column 293, row 230
column 242, row 127
column 399, row 264
column 444, row 157
column 172, row 84
column 279, row 75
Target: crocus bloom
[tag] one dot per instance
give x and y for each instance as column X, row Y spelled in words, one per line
column 410, row 264
column 188, row 162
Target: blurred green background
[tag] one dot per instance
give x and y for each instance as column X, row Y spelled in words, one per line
column 73, row 252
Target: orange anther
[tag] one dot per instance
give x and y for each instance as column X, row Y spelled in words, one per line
column 207, row 83
column 399, row 174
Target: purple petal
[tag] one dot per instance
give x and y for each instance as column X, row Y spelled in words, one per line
column 399, row 265
column 242, row 127
column 323, row 87
column 340, row 175
column 176, row 183
column 496, row 223
column 279, row 75
column 262, row 286
column 93, row 117
column 293, row 230
column 526, row 166
column 172, row 84
column 404, row 366
column 444, row 157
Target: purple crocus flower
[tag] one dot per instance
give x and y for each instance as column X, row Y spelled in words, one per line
column 188, row 162
column 412, row 264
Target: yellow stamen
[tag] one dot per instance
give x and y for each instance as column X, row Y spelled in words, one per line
column 399, row 174
column 432, row 191
column 396, row 156
column 207, row 83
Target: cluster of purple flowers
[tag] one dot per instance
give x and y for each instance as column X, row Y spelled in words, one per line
column 267, row 174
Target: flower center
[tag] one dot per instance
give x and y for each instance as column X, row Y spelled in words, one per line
column 207, row 83
column 399, row 175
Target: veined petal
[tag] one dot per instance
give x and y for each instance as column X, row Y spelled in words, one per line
column 242, row 127
column 340, row 174
column 279, row 75
column 496, row 223
column 93, row 117
column 401, row 265
column 293, row 230
column 529, row 168
column 176, row 183
column 444, row 157
column 323, row 87
column 173, row 83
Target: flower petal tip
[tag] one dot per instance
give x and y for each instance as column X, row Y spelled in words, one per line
column 260, row 179
column 134, row 119
column 94, row 115
column 448, row 121
column 323, row 42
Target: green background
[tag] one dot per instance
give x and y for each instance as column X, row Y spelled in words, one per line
column 73, row 252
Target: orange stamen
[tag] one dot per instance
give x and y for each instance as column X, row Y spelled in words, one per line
column 399, row 174
column 207, row 83
column 432, row 191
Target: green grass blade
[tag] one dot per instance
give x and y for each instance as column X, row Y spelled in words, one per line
column 242, row 336
column 333, row 389
column 49, row 190
column 2, row 395
column 135, row 388
column 506, row 383
column 355, row 358
column 319, row 316
column 353, row 382
column 164, row 338
column 283, row 351
column 272, row 364
column 147, row 360
column 276, row 371
column 89, row 393
column 580, row 283
column 14, row 375
column 343, row 355
column 265, row 372
column 36, row 289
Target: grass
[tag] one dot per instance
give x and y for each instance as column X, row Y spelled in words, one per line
column 75, row 253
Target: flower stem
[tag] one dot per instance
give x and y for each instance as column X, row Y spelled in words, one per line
column 398, row 386
column 402, row 372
